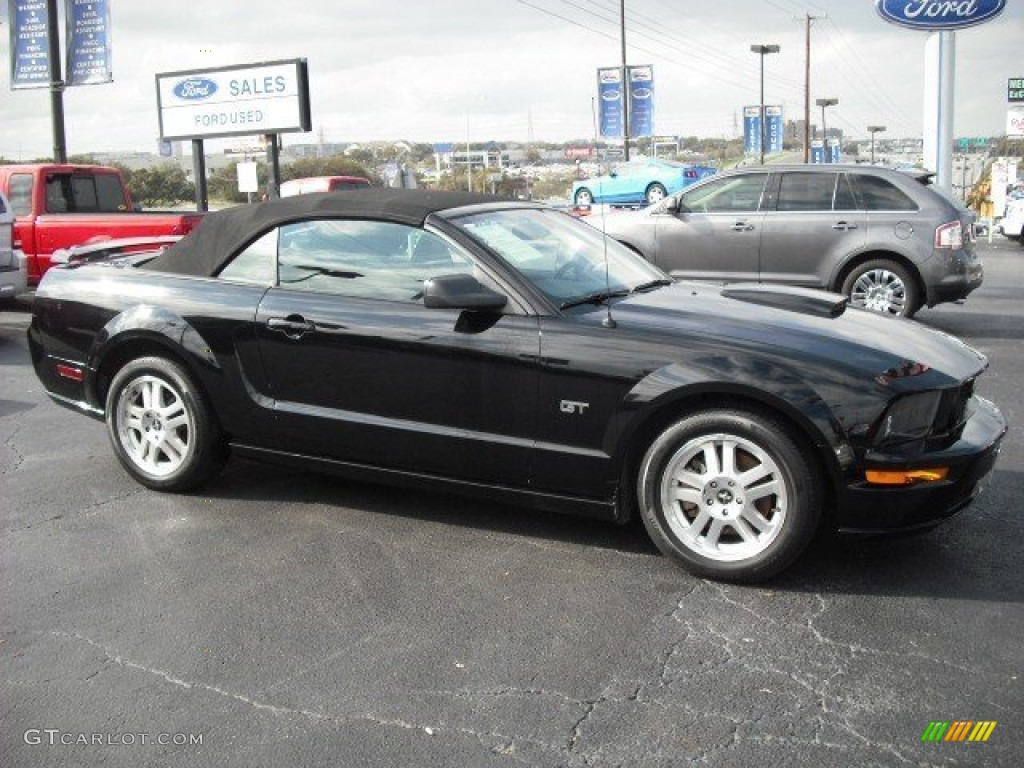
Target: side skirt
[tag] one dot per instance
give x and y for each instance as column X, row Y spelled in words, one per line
column 596, row 508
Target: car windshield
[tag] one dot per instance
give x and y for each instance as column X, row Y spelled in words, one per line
column 563, row 257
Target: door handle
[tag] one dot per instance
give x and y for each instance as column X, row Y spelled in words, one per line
column 742, row 226
column 292, row 326
column 843, row 226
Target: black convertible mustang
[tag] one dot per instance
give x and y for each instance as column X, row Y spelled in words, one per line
column 507, row 350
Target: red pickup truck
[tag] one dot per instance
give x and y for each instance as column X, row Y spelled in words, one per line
column 59, row 206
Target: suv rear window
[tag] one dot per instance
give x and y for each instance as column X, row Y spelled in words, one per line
column 877, row 194
column 806, row 191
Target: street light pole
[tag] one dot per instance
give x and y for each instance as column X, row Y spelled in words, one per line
column 762, row 50
column 830, row 102
column 873, row 129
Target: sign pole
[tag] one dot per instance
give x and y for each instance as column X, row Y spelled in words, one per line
column 199, row 172
column 60, row 150
column 273, row 168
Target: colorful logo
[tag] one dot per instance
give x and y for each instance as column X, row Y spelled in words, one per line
column 958, row 730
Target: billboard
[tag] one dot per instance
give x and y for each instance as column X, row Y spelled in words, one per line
column 833, row 151
column 247, row 99
column 641, row 101
column 88, row 42
column 1015, row 124
column 752, row 129
column 30, row 44
column 817, row 151
column 609, row 102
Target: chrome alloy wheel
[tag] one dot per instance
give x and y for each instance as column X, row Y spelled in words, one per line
column 154, row 426
column 723, row 497
column 880, row 290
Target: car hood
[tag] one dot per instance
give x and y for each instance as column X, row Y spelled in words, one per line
column 805, row 326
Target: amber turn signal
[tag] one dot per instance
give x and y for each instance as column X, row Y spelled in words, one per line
column 906, row 476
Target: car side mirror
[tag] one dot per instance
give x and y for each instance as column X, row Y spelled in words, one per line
column 461, row 292
column 675, row 205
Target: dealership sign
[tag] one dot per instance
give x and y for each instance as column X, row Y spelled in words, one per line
column 939, row 15
column 30, row 44
column 270, row 97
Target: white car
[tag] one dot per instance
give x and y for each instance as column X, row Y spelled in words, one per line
column 13, row 271
column 1012, row 224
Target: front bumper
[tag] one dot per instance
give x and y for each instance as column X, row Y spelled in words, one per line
column 866, row 508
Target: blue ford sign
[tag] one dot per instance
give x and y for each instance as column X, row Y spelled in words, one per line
column 195, row 88
column 939, row 14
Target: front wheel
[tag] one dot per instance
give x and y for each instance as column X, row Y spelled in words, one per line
column 882, row 286
column 162, row 429
column 728, row 495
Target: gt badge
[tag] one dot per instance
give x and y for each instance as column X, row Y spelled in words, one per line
column 573, row 406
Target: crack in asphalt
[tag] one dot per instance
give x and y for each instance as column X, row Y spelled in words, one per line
column 494, row 741
column 80, row 512
column 19, row 457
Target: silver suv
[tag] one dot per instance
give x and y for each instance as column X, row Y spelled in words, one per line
column 12, row 264
column 884, row 238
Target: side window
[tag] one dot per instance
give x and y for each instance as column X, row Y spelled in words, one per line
column 806, row 191
column 731, row 194
column 257, row 264
column 877, row 194
column 83, row 189
column 365, row 259
column 20, row 193
column 845, row 199
column 110, row 193
column 58, row 194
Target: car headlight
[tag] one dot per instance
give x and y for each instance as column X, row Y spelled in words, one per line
column 910, row 418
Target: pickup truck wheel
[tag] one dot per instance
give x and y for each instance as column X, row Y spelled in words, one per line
column 161, row 426
column 729, row 495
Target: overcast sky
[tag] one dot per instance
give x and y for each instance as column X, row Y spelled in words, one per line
column 516, row 70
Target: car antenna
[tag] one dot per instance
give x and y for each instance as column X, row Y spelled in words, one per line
column 609, row 321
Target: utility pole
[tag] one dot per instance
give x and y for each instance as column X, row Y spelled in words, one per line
column 808, row 20
column 60, row 151
column 625, row 83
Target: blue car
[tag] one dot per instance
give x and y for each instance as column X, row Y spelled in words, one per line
column 639, row 182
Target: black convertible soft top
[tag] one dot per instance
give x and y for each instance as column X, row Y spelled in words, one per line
column 222, row 233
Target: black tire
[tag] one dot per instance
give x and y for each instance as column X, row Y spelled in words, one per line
column 884, row 286
column 693, row 510
column 583, row 198
column 655, row 193
column 162, row 428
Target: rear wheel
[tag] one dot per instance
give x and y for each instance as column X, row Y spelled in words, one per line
column 728, row 495
column 883, row 286
column 162, row 429
column 655, row 193
column 583, row 197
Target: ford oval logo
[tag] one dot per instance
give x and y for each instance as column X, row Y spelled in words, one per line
column 611, row 95
column 939, row 14
column 641, row 93
column 195, row 88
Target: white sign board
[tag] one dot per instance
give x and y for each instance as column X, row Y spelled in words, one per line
column 271, row 97
column 1015, row 124
column 248, row 181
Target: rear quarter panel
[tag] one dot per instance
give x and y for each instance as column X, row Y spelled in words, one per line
column 98, row 316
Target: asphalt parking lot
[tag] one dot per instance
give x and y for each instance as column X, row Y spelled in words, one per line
column 286, row 619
